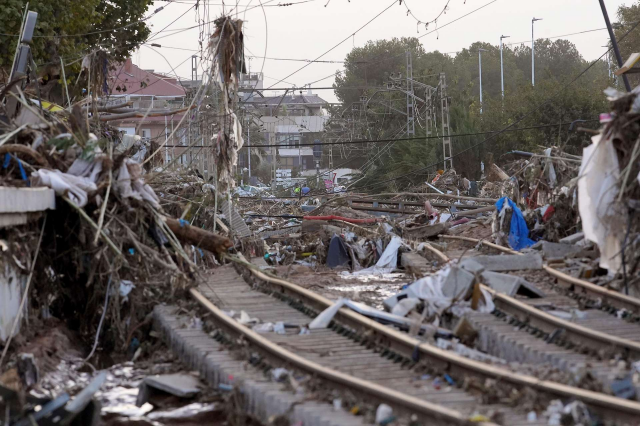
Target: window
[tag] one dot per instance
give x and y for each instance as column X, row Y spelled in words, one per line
column 128, row 130
column 145, row 133
column 286, row 162
column 289, row 140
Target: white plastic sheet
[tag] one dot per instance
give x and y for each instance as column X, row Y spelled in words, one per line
column 325, row 317
column 74, row 187
column 388, row 260
column 602, row 222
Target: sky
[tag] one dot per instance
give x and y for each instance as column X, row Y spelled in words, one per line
column 309, row 28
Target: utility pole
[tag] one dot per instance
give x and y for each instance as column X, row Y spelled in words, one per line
column 429, row 110
column 446, row 138
column 411, row 131
column 480, row 73
column 614, row 43
column 249, row 148
column 502, row 66
column 194, row 68
column 533, row 66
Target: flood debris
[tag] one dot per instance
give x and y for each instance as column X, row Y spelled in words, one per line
column 180, row 385
column 25, row 410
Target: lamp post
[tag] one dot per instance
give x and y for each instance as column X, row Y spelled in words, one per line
column 502, row 66
column 533, row 73
column 480, row 73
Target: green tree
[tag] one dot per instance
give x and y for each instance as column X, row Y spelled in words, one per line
column 63, row 27
column 552, row 100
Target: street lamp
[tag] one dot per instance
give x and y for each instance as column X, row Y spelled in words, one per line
column 533, row 73
column 501, row 66
column 480, row 72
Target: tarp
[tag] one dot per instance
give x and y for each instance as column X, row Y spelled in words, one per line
column 337, row 255
column 518, row 232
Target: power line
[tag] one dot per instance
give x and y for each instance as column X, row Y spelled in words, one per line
column 397, row 56
column 457, row 19
column 362, row 141
column 172, row 22
column 505, row 129
column 335, row 46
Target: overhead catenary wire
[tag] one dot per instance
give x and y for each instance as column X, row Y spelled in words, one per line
column 338, row 44
column 421, row 138
column 514, row 123
column 397, row 56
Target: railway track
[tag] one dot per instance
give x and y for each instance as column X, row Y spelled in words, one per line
column 525, row 330
column 376, row 361
column 582, row 290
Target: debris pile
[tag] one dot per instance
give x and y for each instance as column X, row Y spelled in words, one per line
column 609, row 189
column 108, row 252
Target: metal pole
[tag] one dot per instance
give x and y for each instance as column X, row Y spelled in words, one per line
column 480, row 72
column 614, row 43
column 501, row 66
column 249, row 149
column 533, row 66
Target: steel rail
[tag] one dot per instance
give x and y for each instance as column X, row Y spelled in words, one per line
column 440, row 359
column 573, row 284
column 406, row 401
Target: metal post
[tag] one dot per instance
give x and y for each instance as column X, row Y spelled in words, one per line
column 194, row 68
column 411, row 131
column 502, row 66
column 166, row 141
column 614, row 43
column 533, row 66
column 480, row 73
column 446, row 138
column 249, row 148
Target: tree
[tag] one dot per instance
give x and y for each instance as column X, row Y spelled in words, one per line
column 554, row 99
column 63, row 27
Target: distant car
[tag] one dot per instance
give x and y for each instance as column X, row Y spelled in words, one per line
column 248, row 191
column 339, row 188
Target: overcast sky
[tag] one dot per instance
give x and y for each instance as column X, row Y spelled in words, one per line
column 309, row 29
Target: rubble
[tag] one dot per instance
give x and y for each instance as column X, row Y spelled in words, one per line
column 510, row 285
column 510, row 262
column 552, row 251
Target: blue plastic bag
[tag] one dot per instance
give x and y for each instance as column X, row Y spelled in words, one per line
column 518, row 232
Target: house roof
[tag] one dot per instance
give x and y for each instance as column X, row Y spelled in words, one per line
column 142, row 82
column 287, row 100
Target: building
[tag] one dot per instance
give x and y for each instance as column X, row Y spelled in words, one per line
column 140, row 89
column 288, row 121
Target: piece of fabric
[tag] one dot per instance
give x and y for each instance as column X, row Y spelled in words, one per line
column 337, row 255
column 518, row 231
column 603, row 220
column 76, row 188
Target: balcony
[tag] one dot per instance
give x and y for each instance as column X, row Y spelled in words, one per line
column 295, row 152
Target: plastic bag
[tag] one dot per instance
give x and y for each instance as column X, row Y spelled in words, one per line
column 518, row 231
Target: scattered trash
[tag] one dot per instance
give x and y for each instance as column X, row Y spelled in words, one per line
column 624, row 388
column 279, row 374
column 180, row 385
column 518, row 233
column 337, row 404
column 279, row 328
column 384, row 414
